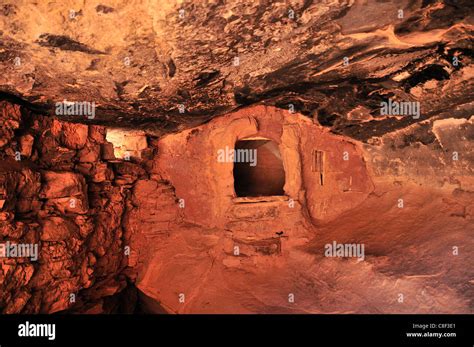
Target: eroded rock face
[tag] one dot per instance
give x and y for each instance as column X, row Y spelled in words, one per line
column 133, row 193
column 191, row 162
column 170, row 65
column 169, row 222
column 69, row 207
column 232, row 254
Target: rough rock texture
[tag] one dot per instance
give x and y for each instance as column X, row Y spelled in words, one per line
column 189, row 160
column 135, row 196
column 60, row 195
column 212, row 57
column 417, row 249
column 167, row 221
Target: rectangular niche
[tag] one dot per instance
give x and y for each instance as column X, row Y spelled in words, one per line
column 317, row 165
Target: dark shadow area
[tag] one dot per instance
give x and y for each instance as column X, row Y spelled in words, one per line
column 258, row 168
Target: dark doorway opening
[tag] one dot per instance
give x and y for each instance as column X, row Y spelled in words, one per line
column 258, row 168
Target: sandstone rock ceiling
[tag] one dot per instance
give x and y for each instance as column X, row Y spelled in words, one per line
column 139, row 60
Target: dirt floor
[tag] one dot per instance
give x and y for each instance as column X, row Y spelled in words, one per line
column 410, row 264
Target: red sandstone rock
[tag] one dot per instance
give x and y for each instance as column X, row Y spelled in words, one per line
column 58, row 201
column 74, row 136
column 61, row 184
column 191, row 249
column 89, row 154
column 97, row 133
column 26, row 145
column 58, row 229
column 8, row 122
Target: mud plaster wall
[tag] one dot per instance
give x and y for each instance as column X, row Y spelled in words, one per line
column 189, row 161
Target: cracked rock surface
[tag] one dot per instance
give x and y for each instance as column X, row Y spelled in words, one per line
column 174, row 81
column 331, row 60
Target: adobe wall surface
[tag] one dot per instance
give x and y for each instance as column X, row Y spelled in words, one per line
column 189, row 161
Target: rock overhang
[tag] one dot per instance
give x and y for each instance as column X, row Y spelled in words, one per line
column 174, row 65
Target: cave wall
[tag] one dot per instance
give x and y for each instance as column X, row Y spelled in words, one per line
column 172, row 66
column 436, row 154
column 62, row 189
column 98, row 217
